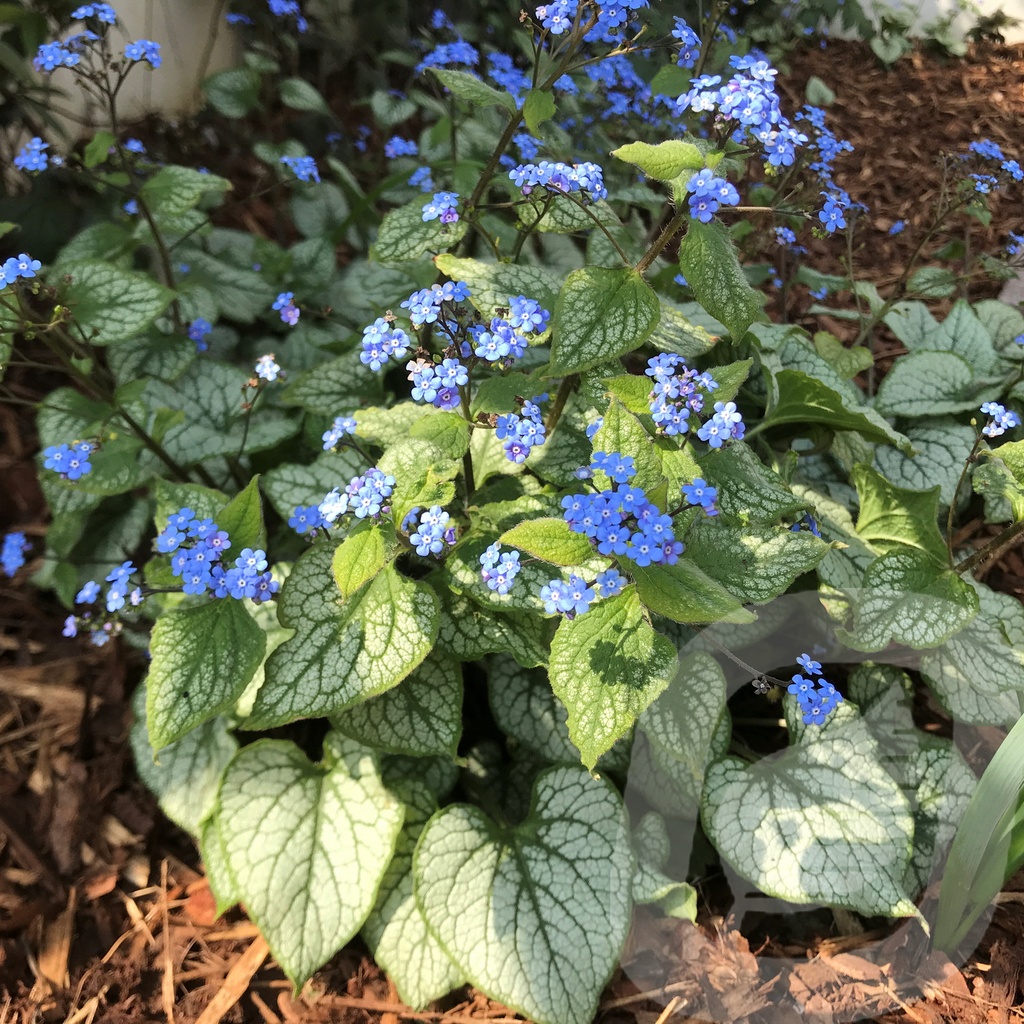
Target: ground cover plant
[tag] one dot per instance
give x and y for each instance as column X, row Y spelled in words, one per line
column 482, row 513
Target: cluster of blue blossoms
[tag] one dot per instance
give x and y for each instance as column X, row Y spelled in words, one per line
column 522, row 432
column 70, row 461
column 689, row 44
column 285, row 304
column 611, row 19
column 396, row 146
column 620, row 521
column 679, row 391
column 586, row 178
column 708, row 193
column 365, row 497
column 342, row 426
column 434, row 531
column 992, row 156
column 303, row 167
column 197, row 547
column 103, row 627
column 442, row 207
column 198, row 329
column 12, row 553
column 1002, row 419
column 15, row 267
column 817, row 698
column 31, row 157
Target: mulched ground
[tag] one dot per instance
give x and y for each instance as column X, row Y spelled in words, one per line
column 104, row 913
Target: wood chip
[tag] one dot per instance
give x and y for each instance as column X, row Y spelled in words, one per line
column 236, row 982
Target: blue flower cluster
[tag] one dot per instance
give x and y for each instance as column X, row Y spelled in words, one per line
column 988, row 150
column 434, row 532
column 285, row 302
column 421, row 178
column 364, row 497
column 198, row 547
column 612, row 18
column 442, row 207
column 31, row 156
column 725, row 425
column 750, row 99
column 51, row 56
column 677, row 392
column 71, row 461
column 382, row 341
column 303, row 167
column 144, row 49
column 20, row 266
column 689, row 44
column 437, row 384
column 197, row 332
column 288, row 9
column 341, row 426
column 523, row 432
column 499, row 570
column 708, row 193
column 12, row 554
column 436, row 304
column 267, row 369
column 445, row 54
column 103, row 627
column 396, row 146
column 621, row 522
column 586, row 178
column 574, row 596
column 102, row 12
column 701, row 493
column 1003, row 419
column 817, row 698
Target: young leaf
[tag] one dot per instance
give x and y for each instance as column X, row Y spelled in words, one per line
column 549, row 539
column 493, row 284
column 307, row 845
column 242, row 518
column 685, row 593
column 892, row 518
column 538, row 107
column 665, row 161
column 475, row 92
column 708, row 261
column 606, row 667
column 495, row 898
column 202, row 659
column 600, row 314
column 361, row 555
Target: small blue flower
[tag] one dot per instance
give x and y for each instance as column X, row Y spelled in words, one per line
column 144, row 49
column 442, row 207
column 88, row 593
column 102, row 12
column 197, row 332
column 303, row 167
column 897, row 227
column 12, row 555
column 31, row 156
column 266, row 368
column 809, row 665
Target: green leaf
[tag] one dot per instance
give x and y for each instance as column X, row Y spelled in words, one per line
column 241, row 293
column 331, row 387
column 820, row 822
column 498, row 394
column 804, row 399
column 421, row 716
column 475, row 92
column 233, row 93
column 175, row 190
column 679, row 735
column 678, row 333
column 307, row 845
column 1011, row 454
column 932, row 282
column 846, row 360
column 666, row 161
column 623, row 433
column 708, row 261
column 242, row 518
column 98, row 149
column 671, row 80
column 756, row 563
column 747, row 489
column 298, row 94
column 405, row 235
column 202, row 659
column 496, row 899
column 978, row 674
column 651, row 846
column 940, row 451
column 632, row 390
column 927, row 384
column 449, row 431
column 424, row 475
column 527, row 712
column 184, row 776
column 343, row 652
column 395, row 931
column 685, row 593
column 468, row 632
column 110, row 304
column 909, row 598
column 362, row 554
column 549, row 539
column 538, row 108
column 600, row 314
column 893, row 519
column 492, row 285
column 606, row 667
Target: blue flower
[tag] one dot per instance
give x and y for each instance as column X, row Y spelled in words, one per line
column 396, row 146
column 619, row 468
column 700, row 492
column 197, row 332
column 102, row 12
column 1002, row 420
column 831, row 214
column 306, row 519
column 238, row 19
column 897, row 227
column 54, row 55
column 442, row 207
column 342, row 425
column 289, row 311
column 144, row 49
column 12, row 555
column 89, row 592
column 610, row 582
column 266, row 368
column 434, row 533
column 70, row 461
column 421, row 179
column 809, row 665
column 303, row 167
column 31, row 156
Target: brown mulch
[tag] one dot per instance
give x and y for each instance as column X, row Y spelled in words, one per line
column 104, row 913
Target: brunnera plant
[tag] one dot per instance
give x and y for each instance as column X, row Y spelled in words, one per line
column 515, row 456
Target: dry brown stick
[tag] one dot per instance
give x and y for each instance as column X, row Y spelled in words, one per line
column 236, row 982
